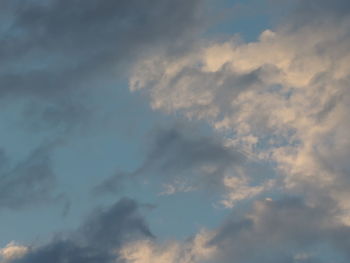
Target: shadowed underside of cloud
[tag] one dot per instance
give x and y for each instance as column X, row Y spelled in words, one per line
column 96, row 241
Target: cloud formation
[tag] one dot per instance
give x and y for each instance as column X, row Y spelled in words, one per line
column 49, row 47
column 53, row 52
column 285, row 230
column 147, row 251
column 97, row 240
column 283, row 99
column 184, row 161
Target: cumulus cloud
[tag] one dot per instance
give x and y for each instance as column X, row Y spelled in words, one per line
column 283, row 99
column 97, row 240
column 12, row 251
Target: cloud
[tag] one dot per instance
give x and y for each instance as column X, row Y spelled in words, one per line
column 283, row 230
column 319, row 11
column 12, row 251
column 54, row 53
column 147, row 251
column 97, row 240
column 184, row 161
column 109, row 228
column 286, row 230
column 282, row 99
column 48, row 48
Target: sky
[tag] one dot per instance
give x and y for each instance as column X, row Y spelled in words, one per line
column 174, row 131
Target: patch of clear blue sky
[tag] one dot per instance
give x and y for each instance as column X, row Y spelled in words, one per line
column 244, row 18
column 117, row 134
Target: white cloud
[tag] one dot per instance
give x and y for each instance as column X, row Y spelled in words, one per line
column 146, row 251
column 12, row 251
column 238, row 189
column 283, row 99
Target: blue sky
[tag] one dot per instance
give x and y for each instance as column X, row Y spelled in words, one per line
column 188, row 131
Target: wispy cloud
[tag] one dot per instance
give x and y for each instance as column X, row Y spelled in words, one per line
column 183, row 161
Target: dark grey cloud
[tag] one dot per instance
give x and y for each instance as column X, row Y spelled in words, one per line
column 286, row 230
column 53, row 52
column 48, row 48
column 177, row 149
column 112, row 227
column 97, row 240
